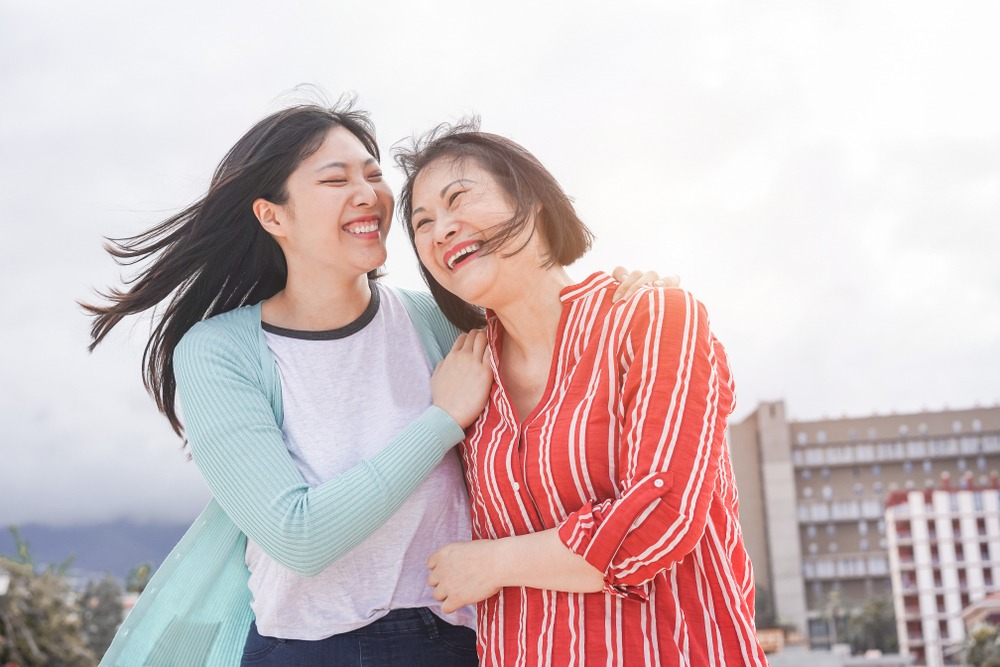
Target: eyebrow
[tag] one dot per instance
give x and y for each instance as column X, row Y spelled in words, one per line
column 441, row 194
column 343, row 165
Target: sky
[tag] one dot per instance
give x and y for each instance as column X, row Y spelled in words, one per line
column 824, row 176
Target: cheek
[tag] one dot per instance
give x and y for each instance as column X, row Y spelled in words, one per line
column 423, row 247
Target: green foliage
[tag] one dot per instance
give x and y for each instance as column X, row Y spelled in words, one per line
column 138, row 578
column 764, row 616
column 39, row 616
column 982, row 647
column 873, row 626
column 101, row 611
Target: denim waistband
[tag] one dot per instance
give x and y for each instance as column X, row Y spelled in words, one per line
column 403, row 620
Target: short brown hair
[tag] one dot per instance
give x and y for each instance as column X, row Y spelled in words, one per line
column 528, row 186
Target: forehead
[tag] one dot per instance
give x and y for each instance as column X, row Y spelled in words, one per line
column 339, row 145
column 448, row 169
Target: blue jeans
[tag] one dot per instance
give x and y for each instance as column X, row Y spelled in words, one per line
column 402, row 637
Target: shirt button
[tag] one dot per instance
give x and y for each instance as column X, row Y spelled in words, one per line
column 658, row 483
column 517, row 487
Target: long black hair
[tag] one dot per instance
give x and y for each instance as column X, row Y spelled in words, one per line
column 528, row 185
column 214, row 256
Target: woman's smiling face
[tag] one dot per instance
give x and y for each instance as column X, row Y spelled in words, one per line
column 339, row 208
column 456, row 203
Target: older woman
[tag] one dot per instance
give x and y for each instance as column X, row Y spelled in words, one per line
column 603, row 501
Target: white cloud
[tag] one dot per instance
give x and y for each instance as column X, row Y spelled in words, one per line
column 824, row 176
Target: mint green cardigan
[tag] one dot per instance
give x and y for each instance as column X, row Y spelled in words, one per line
column 196, row 608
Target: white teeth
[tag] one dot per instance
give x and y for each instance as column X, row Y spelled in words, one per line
column 462, row 253
column 364, row 229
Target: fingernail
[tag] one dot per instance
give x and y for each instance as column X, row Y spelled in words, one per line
column 659, row 283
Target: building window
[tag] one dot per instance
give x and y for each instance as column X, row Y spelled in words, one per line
column 852, row 435
column 856, row 471
column 904, row 429
column 862, row 527
column 907, row 467
column 961, row 464
column 872, row 433
column 833, row 547
column 806, row 473
column 863, row 544
column 922, row 428
column 827, row 492
column 831, row 529
column 981, row 462
column 811, row 531
column 802, row 438
column 878, row 488
column 807, row 492
column 821, row 437
column 813, row 548
column 880, row 526
column 928, row 466
column 824, row 472
column 876, row 470
column 977, row 425
column 859, row 489
column 956, row 426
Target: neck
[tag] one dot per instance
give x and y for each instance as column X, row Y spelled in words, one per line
column 531, row 320
column 317, row 303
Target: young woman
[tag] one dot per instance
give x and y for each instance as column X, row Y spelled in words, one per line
column 312, row 408
column 602, row 494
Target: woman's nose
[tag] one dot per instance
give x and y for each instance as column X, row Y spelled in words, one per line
column 445, row 228
column 365, row 195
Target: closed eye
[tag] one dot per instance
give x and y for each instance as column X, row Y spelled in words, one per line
column 454, row 196
column 334, row 181
column 420, row 223
column 376, row 177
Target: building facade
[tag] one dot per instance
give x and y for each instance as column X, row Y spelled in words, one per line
column 813, row 497
column 944, row 556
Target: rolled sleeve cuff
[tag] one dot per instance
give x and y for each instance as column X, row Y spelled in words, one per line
column 597, row 531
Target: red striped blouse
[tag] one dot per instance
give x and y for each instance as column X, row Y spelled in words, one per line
column 625, row 454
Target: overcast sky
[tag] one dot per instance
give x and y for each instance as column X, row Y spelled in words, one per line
column 825, row 176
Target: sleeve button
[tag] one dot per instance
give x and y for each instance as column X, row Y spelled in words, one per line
column 658, row 483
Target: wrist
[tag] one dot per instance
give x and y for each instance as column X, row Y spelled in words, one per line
column 501, row 562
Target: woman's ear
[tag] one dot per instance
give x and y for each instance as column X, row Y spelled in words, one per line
column 268, row 215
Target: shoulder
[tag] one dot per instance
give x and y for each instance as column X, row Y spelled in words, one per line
column 415, row 298
column 233, row 330
column 423, row 310
column 670, row 314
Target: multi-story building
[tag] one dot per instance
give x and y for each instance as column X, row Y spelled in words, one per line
column 813, row 493
column 944, row 554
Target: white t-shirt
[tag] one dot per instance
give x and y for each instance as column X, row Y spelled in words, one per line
column 346, row 394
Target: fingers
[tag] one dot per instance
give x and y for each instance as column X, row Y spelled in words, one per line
column 628, row 282
column 642, row 279
column 479, row 345
column 459, row 342
column 632, row 282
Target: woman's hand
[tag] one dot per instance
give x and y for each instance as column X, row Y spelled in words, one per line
column 632, row 281
column 461, row 573
column 462, row 380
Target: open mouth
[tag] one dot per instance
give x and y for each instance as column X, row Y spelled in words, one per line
column 363, row 226
column 461, row 253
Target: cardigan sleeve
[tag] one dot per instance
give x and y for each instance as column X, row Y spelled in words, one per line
column 238, row 447
column 676, row 394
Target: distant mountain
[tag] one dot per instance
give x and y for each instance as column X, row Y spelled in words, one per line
column 111, row 548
